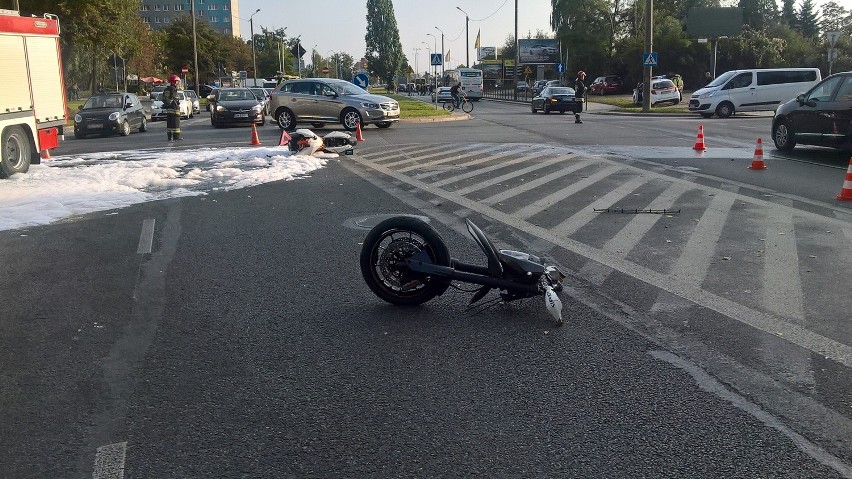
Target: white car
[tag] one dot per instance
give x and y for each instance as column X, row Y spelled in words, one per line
column 158, row 113
column 443, row 95
column 662, row 91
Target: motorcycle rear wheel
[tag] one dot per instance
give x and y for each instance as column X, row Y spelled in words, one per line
column 384, row 252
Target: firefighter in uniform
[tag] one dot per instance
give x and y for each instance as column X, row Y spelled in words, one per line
column 172, row 106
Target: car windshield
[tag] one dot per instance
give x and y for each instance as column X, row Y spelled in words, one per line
column 658, row 85
column 104, row 101
column 346, row 88
column 258, row 92
column 236, row 95
column 560, row 91
column 722, row 79
column 156, row 96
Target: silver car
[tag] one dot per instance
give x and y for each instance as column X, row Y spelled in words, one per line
column 326, row 100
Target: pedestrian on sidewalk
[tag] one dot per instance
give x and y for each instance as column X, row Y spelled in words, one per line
column 579, row 93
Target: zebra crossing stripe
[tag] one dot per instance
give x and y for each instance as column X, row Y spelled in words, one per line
column 493, row 181
column 482, row 171
column 433, row 150
column 382, row 153
column 467, row 164
column 451, row 158
column 782, row 288
column 540, row 205
column 584, row 216
column 529, row 185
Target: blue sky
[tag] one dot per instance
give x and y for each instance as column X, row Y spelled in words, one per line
column 339, row 25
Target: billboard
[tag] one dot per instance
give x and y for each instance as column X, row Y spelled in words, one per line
column 486, row 53
column 714, row 22
column 492, row 69
column 538, row 50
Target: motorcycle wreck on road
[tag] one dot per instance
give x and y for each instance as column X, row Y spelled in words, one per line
column 305, row 142
column 405, row 262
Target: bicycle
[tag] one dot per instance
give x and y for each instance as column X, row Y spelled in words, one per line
column 466, row 105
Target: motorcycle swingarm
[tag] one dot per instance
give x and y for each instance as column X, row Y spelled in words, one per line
column 417, row 265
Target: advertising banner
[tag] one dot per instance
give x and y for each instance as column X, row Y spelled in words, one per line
column 492, row 69
column 538, row 50
column 486, row 53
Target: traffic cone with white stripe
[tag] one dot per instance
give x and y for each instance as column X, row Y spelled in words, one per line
column 358, row 135
column 699, row 141
column 757, row 162
column 254, row 138
column 846, row 191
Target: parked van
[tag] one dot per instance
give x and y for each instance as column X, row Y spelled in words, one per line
column 752, row 90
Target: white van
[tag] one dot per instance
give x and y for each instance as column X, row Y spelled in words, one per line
column 752, row 90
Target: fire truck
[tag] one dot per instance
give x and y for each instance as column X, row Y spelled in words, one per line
column 33, row 107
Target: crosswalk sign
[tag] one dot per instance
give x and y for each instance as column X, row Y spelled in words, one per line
column 649, row 59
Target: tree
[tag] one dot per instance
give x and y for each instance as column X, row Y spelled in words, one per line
column 788, row 13
column 808, row 20
column 756, row 13
column 834, row 18
column 384, row 50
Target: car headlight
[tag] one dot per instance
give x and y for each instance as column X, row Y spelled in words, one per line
column 78, row 119
column 257, row 108
column 706, row 95
column 114, row 116
column 221, row 108
column 374, row 106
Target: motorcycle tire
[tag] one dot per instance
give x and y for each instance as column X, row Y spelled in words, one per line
column 383, row 256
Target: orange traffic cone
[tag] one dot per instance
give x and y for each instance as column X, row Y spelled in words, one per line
column 45, row 154
column 757, row 163
column 699, row 141
column 358, row 135
column 846, row 191
column 285, row 138
column 254, row 139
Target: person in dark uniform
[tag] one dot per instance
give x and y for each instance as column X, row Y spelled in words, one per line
column 579, row 92
column 454, row 92
column 172, row 106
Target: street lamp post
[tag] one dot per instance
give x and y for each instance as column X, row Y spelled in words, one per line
column 194, row 46
column 443, row 52
column 253, row 59
column 466, row 37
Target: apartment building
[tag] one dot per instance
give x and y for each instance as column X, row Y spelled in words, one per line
column 222, row 15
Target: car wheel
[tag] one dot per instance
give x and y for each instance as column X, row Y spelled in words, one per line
column 384, row 124
column 144, row 126
column 783, row 136
column 350, row 118
column 286, row 119
column 125, row 128
column 14, row 152
column 725, row 109
column 317, row 125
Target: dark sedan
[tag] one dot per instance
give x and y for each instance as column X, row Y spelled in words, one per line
column 822, row 116
column 557, row 98
column 110, row 113
column 235, row 106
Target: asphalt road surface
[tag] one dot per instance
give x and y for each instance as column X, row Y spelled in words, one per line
column 246, row 344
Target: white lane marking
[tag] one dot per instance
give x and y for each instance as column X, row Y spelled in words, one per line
column 451, row 158
column 530, row 185
column 542, row 204
column 512, row 174
column 782, row 286
column 587, row 214
column 482, row 171
column 707, row 383
column 109, row 461
column 146, row 237
column 694, row 262
column 433, row 150
column 768, row 323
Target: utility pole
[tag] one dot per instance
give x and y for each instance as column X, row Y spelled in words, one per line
column 253, row 59
column 517, row 56
column 649, row 48
column 194, row 49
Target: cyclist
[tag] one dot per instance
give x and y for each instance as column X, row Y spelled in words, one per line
column 454, row 92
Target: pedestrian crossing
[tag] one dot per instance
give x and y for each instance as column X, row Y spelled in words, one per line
column 737, row 253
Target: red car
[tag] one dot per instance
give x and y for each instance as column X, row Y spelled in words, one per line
column 606, row 85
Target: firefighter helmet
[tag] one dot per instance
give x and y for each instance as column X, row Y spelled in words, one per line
column 174, row 79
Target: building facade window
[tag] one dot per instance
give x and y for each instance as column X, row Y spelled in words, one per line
column 157, row 7
column 144, row 8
